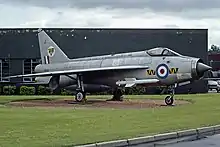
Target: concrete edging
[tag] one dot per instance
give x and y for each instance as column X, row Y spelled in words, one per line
column 203, row 131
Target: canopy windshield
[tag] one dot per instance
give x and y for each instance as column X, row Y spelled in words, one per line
column 162, row 52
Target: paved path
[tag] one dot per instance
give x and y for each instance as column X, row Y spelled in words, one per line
column 210, row 141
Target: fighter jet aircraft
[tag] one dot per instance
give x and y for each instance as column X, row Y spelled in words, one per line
column 158, row 66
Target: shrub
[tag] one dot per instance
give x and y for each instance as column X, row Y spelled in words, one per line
column 135, row 91
column 42, row 90
column 108, row 92
column 66, row 92
column 9, row 90
column 25, row 90
column 127, row 91
column 1, row 89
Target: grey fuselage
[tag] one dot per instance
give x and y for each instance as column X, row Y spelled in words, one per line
column 182, row 68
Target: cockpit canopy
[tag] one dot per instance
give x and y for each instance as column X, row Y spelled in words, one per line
column 162, row 51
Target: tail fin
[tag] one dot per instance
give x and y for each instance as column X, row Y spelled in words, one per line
column 49, row 50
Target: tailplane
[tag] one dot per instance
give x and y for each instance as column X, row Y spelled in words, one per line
column 49, row 50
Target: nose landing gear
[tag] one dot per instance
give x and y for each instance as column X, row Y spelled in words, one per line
column 170, row 99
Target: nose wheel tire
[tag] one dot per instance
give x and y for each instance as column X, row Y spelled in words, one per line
column 80, row 96
column 169, row 100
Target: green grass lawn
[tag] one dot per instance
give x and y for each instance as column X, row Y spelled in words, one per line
column 65, row 126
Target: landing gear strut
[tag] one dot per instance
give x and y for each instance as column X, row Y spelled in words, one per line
column 80, row 93
column 170, row 99
column 117, row 95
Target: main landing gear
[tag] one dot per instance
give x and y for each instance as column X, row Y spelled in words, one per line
column 80, row 93
column 117, row 95
column 170, row 99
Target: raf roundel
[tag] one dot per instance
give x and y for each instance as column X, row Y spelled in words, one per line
column 162, row 71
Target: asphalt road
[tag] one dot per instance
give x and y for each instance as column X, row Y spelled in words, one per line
column 210, row 141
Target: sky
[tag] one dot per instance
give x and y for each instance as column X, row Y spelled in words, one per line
column 194, row 14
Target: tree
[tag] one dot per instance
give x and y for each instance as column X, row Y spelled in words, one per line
column 214, row 49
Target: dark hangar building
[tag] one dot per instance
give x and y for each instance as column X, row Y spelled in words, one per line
column 20, row 53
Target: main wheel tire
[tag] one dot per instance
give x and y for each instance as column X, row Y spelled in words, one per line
column 169, row 100
column 79, row 96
